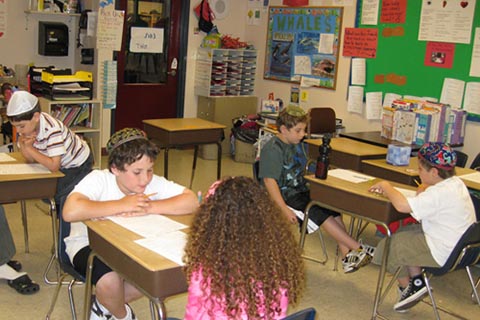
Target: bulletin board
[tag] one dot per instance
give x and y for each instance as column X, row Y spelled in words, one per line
column 303, row 42
column 405, row 56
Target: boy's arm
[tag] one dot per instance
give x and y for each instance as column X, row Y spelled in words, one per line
column 184, row 203
column 31, row 154
column 398, row 200
column 274, row 192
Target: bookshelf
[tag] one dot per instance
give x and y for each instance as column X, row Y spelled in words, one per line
column 84, row 117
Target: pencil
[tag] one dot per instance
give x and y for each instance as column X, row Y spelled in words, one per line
column 416, row 182
column 151, row 194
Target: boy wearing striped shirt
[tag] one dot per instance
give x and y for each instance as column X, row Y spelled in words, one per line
column 46, row 140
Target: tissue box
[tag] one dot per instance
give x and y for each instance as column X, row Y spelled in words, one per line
column 398, row 155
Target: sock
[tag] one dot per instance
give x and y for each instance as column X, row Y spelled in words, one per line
column 417, row 281
column 128, row 316
column 7, row 272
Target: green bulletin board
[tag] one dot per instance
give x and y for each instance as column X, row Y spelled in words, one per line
column 404, row 56
column 303, row 41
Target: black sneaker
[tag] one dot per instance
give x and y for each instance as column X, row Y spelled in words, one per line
column 412, row 295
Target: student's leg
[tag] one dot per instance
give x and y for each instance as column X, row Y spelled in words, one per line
column 336, row 229
column 7, row 246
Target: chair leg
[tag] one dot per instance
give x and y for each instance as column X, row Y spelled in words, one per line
column 430, row 293
column 475, row 297
column 23, row 207
column 303, row 233
column 70, row 297
column 55, row 296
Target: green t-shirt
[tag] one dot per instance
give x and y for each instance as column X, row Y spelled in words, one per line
column 280, row 161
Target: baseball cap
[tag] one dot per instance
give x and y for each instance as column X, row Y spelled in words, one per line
column 439, row 155
column 21, row 102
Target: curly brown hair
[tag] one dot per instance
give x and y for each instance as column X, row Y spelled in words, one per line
column 239, row 237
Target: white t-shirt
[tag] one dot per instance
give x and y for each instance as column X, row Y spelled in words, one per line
column 101, row 185
column 445, row 211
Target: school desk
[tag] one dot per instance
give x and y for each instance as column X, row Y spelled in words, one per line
column 170, row 133
column 347, row 153
column 408, row 174
column 355, row 200
column 154, row 275
column 21, row 187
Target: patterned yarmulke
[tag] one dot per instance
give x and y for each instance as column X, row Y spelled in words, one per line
column 124, row 135
column 439, row 155
column 295, row 111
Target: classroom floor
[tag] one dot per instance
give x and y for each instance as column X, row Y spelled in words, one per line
column 333, row 294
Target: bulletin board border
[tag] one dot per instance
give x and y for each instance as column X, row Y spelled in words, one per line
column 283, row 47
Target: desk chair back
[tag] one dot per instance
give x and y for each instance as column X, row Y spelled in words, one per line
column 322, row 120
column 476, row 163
column 306, row 314
column 465, row 254
column 66, row 267
column 462, row 159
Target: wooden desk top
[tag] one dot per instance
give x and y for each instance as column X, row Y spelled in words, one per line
column 412, row 170
column 183, row 124
column 355, row 198
column 124, row 241
column 350, row 146
column 22, row 177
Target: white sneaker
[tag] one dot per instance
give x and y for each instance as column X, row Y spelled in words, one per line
column 367, row 248
column 130, row 313
column 99, row 312
column 356, row 259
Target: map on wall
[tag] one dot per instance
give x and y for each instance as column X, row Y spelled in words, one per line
column 303, row 45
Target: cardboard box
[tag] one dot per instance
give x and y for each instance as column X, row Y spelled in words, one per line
column 244, row 152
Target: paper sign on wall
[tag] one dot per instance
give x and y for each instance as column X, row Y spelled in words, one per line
column 149, row 40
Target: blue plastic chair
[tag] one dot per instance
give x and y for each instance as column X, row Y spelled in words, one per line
column 306, row 314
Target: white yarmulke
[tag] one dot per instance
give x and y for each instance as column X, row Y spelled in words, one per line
column 21, row 102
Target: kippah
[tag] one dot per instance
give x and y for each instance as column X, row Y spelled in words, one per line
column 439, row 155
column 295, row 111
column 124, row 135
column 21, row 102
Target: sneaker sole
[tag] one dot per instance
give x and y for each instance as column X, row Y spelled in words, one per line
column 411, row 301
column 366, row 260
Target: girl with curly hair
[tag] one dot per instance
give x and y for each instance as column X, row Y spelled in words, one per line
column 242, row 260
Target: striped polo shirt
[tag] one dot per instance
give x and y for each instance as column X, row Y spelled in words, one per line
column 55, row 139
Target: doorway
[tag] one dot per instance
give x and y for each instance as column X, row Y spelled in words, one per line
column 151, row 63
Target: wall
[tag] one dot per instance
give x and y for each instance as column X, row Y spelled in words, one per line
column 22, row 47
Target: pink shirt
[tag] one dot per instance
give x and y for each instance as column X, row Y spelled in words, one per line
column 198, row 306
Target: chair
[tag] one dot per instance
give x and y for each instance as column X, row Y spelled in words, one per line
column 476, row 163
column 322, row 120
column 465, row 254
column 306, row 314
column 462, row 159
column 66, row 268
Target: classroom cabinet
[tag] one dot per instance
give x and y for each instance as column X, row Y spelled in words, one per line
column 225, row 72
column 222, row 110
column 84, row 117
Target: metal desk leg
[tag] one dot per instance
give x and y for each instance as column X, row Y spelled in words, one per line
column 381, row 274
column 303, row 234
column 23, row 207
column 165, row 163
column 88, row 287
column 219, row 160
column 53, row 262
column 194, row 166
column 157, row 310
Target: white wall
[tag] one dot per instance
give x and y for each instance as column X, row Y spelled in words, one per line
column 19, row 46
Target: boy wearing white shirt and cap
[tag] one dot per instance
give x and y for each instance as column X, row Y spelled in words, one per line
column 46, row 140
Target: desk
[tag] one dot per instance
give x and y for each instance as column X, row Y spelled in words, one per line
column 20, row 187
column 154, row 275
column 168, row 133
column 347, row 153
column 355, row 200
column 407, row 174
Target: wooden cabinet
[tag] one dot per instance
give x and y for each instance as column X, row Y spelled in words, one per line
column 222, row 110
column 225, row 72
column 84, row 117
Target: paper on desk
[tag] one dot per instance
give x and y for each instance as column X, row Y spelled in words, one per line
column 4, row 157
column 170, row 245
column 406, row 192
column 23, row 168
column 475, row 177
column 349, row 175
column 150, row 225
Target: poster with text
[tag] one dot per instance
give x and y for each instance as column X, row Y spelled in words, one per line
column 303, row 42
